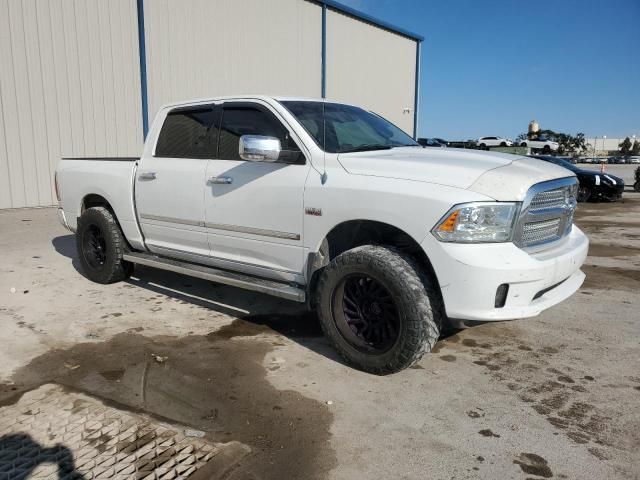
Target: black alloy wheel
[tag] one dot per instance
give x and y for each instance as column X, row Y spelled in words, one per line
column 365, row 314
column 94, row 246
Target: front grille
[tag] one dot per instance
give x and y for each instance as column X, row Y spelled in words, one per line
column 549, row 199
column 540, row 232
column 547, row 212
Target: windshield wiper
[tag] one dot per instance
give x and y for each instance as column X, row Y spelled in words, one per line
column 368, row 147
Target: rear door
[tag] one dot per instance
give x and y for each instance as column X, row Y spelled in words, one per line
column 170, row 182
column 255, row 220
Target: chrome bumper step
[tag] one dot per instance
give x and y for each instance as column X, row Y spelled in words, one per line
column 240, row 280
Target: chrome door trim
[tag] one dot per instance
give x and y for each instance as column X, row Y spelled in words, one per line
column 218, row 226
column 161, row 218
column 253, row 231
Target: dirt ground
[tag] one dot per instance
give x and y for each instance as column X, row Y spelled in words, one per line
column 554, row 396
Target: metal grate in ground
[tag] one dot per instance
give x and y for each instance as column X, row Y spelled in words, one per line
column 52, row 433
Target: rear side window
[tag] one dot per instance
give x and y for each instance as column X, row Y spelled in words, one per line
column 253, row 120
column 189, row 133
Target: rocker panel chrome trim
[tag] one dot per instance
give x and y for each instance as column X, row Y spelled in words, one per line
column 239, row 280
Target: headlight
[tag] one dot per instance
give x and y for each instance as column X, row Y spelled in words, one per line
column 477, row 222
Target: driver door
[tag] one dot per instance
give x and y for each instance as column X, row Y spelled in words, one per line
column 254, row 210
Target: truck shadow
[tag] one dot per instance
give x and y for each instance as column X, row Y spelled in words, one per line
column 253, row 311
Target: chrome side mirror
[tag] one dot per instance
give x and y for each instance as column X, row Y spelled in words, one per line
column 259, row 148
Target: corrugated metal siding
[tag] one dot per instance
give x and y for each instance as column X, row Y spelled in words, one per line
column 371, row 67
column 69, row 86
column 204, row 48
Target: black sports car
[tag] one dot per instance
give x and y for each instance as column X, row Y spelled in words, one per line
column 593, row 185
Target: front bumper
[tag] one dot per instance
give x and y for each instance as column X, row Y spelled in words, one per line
column 612, row 192
column 470, row 274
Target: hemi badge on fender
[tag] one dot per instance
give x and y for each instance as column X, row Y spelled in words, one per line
column 316, row 212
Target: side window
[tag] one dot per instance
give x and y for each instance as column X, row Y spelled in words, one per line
column 254, row 120
column 189, row 133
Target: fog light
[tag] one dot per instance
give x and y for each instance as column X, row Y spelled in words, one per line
column 501, row 295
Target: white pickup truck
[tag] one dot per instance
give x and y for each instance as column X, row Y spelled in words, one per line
column 329, row 204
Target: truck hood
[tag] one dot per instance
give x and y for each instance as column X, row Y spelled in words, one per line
column 500, row 176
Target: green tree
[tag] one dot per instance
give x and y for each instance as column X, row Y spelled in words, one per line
column 635, row 150
column 625, row 147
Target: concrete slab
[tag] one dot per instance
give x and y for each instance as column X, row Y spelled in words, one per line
column 557, row 394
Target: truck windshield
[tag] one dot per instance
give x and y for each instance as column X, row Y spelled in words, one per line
column 347, row 128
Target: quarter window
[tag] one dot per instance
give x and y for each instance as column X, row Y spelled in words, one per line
column 189, row 133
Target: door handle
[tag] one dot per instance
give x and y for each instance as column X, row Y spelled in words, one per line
column 147, row 176
column 221, row 180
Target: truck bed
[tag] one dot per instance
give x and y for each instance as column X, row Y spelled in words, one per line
column 82, row 178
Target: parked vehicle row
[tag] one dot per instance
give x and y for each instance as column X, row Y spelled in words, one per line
column 331, row 205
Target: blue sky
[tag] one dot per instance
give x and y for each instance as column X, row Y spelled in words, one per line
column 491, row 66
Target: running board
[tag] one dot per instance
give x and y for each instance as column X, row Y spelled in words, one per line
column 240, row 280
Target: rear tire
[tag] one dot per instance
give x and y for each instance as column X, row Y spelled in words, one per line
column 523, row 144
column 636, row 186
column 101, row 244
column 379, row 308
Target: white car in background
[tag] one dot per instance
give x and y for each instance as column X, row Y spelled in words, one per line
column 541, row 144
column 484, row 142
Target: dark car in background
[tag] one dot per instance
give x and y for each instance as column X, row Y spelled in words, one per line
column 593, row 185
column 432, row 142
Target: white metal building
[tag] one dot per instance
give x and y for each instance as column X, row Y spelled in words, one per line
column 604, row 145
column 85, row 77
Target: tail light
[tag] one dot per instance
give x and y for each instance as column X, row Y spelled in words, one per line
column 55, row 181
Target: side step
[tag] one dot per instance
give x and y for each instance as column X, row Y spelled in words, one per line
column 270, row 287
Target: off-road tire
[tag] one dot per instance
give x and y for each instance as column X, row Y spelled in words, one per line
column 114, row 268
column 414, row 292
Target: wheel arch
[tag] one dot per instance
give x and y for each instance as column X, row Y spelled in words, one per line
column 354, row 233
column 95, row 200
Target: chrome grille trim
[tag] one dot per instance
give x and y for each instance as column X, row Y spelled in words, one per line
column 546, row 214
column 540, row 232
column 549, row 199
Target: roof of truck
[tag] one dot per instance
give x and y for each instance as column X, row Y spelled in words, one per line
column 266, row 98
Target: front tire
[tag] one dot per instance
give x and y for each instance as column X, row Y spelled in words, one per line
column 379, row 308
column 101, row 244
column 636, row 186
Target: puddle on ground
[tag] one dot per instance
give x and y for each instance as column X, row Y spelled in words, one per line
column 213, row 383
